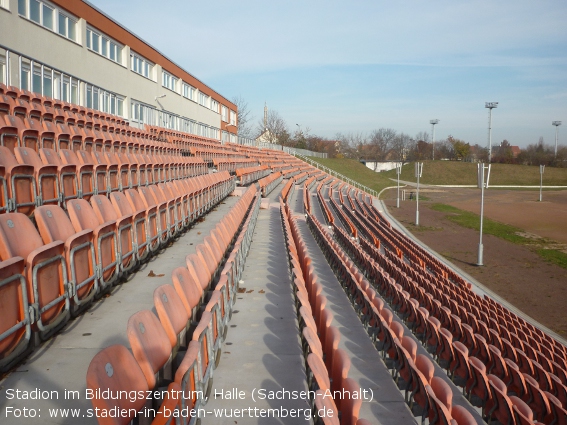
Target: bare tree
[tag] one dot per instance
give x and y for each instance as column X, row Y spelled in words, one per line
column 244, row 117
column 401, row 146
column 275, row 129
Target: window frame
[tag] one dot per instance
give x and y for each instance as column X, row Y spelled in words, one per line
column 56, row 13
column 111, row 46
column 135, row 57
column 172, row 80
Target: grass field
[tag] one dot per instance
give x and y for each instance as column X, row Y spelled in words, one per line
column 447, row 173
column 503, row 231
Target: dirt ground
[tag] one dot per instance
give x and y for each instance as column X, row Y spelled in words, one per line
column 515, row 272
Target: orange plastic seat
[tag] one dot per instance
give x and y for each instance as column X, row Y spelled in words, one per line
column 150, row 346
column 115, row 369
column 20, row 183
column 15, row 323
column 83, row 217
column 55, row 225
column 126, row 243
column 68, row 181
column 45, row 271
column 46, row 177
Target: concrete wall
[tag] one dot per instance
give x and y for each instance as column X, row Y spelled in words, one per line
column 382, row 166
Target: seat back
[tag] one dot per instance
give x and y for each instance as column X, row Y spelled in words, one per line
column 172, row 314
column 150, row 345
column 115, row 369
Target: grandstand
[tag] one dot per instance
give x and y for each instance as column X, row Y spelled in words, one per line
column 150, row 275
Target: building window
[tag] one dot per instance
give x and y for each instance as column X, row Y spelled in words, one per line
column 25, row 76
column 104, row 46
column 214, row 105
column 5, row 4
column 233, row 117
column 203, row 100
column 102, row 100
column 141, row 66
column 169, row 81
column 224, row 113
column 49, row 16
column 189, row 91
column 3, row 78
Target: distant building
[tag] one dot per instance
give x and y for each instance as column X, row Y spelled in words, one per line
column 515, row 151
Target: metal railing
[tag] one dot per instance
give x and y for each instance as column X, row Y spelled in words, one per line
column 292, row 151
column 339, row 175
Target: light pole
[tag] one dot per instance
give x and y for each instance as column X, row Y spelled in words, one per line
column 433, row 122
column 398, row 172
column 418, row 171
column 556, row 124
column 490, row 106
column 541, row 169
column 482, row 184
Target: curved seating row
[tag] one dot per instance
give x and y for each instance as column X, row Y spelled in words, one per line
column 451, row 346
column 181, row 349
column 57, row 269
column 327, row 365
column 417, row 373
column 249, row 175
column 269, row 183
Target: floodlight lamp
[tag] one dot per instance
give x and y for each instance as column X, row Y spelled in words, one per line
column 491, row 105
column 434, row 122
column 556, row 123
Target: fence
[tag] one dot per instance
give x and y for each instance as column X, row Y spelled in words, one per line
column 339, row 175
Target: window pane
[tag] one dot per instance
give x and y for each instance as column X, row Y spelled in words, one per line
column 22, row 7
column 62, row 25
column 96, row 47
column 104, row 47
column 47, row 17
column 71, row 29
column 95, row 99
column 74, row 93
column 118, row 55
column 2, row 72
column 24, row 79
column 56, row 86
column 47, row 86
column 65, row 96
column 36, row 82
column 113, row 51
column 89, row 35
column 34, row 10
column 89, row 97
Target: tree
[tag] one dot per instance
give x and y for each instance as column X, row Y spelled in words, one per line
column 244, row 117
column 401, row 146
column 276, row 130
column 461, row 149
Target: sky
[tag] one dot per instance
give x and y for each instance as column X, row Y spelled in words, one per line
column 354, row 66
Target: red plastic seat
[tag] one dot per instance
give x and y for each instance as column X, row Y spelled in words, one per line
column 83, row 217
column 55, row 225
column 45, row 271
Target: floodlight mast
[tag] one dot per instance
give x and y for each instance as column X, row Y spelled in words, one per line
column 433, row 122
column 490, row 106
column 556, row 124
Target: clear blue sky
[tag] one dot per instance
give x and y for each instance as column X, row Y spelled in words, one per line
column 355, row 66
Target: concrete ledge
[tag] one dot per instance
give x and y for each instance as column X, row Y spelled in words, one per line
column 239, row 191
column 265, row 203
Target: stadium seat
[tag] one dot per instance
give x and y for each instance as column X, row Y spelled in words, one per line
column 45, row 272
column 54, row 225
column 116, row 369
column 83, row 217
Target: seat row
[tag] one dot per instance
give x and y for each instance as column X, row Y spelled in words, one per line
column 269, row 183
column 327, row 365
column 29, row 178
column 454, row 355
column 230, row 165
column 487, row 313
column 181, row 349
column 251, row 174
column 74, row 255
column 417, row 375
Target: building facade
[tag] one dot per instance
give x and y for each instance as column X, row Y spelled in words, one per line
column 72, row 51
